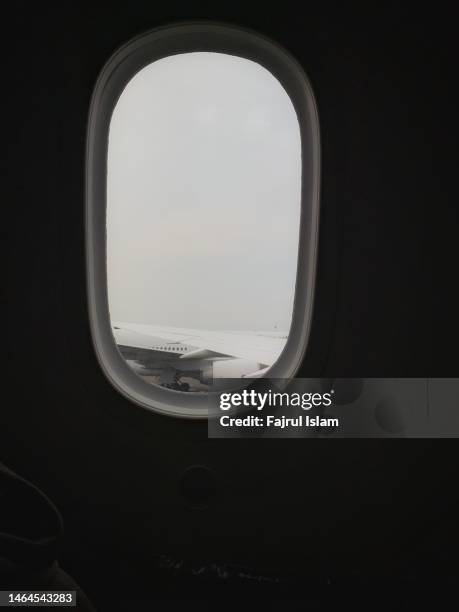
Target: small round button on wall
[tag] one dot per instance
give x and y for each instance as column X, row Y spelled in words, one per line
column 198, row 486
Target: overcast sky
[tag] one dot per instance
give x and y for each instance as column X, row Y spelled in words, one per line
column 204, row 179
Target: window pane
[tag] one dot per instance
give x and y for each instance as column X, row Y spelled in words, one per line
column 203, row 214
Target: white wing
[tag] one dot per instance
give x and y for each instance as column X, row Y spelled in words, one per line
column 261, row 347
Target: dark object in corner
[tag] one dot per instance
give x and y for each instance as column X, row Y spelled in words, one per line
column 30, row 530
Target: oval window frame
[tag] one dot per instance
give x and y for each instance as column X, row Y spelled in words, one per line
column 117, row 72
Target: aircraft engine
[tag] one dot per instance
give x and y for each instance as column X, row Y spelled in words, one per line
column 228, row 368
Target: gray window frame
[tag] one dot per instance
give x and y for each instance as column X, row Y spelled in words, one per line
column 118, row 71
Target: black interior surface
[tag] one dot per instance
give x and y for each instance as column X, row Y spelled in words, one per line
column 266, row 516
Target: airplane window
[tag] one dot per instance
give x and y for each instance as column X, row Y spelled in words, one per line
column 206, row 204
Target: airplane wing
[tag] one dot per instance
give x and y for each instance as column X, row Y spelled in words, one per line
column 261, row 347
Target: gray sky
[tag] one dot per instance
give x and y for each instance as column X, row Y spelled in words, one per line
column 204, row 180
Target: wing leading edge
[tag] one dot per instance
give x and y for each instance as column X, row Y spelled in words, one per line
column 261, row 347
